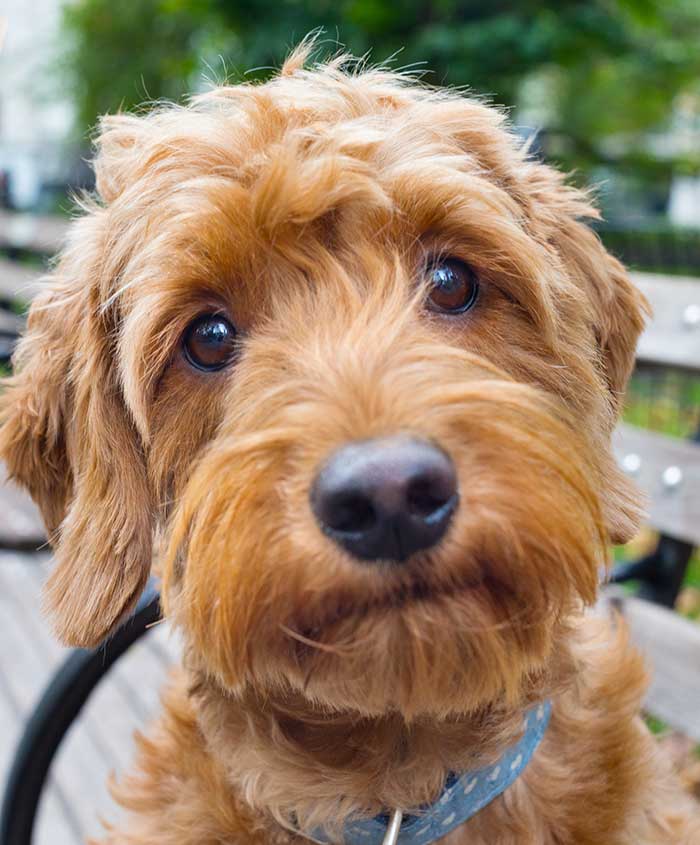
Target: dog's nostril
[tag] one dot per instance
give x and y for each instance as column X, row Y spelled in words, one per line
column 386, row 499
column 349, row 512
column 426, row 496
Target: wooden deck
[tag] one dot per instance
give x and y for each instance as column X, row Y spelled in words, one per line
column 101, row 742
column 40, row 234
column 18, row 282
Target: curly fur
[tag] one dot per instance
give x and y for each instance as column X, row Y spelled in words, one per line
column 315, row 688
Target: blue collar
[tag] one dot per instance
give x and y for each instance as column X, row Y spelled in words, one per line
column 463, row 796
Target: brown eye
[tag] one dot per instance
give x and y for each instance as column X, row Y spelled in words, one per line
column 454, row 286
column 209, row 342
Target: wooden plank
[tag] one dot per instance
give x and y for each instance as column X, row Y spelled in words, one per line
column 18, row 282
column 43, row 234
column 668, row 470
column 10, row 323
column 10, row 720
column 21, row 579
column 671, row 646
column 101, row 740
column 115, row 710
column 23, row 665
column 672, row 338
column 86, row 758
column 55, row 815
column 21, row 526
column 110, row 717
column 55, row 824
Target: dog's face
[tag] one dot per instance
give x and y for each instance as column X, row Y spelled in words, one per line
column 349, row 355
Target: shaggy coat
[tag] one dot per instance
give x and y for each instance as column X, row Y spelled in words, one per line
column 307, row 211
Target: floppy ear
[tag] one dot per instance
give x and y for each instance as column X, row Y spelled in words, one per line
column 617, row 311
column 67, row 437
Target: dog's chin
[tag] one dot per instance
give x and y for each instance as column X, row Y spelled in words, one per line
column 439, row 650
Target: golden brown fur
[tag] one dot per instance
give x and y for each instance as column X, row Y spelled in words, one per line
column 315, row 687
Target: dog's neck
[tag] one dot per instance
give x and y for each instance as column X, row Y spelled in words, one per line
column 316, row 767
column 319, row 766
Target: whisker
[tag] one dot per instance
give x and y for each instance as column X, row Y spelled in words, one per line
column 316, row 644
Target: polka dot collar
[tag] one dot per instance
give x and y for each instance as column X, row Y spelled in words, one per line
column 463, row 796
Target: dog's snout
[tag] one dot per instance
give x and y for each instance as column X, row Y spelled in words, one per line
column 386, row 499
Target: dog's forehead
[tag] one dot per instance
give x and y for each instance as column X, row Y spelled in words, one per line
column 300, row 147
column 257, row 194
column 248, row 170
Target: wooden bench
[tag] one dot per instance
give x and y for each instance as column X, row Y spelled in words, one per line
column 671, row 647
column 666, row 468
column 18, row 282
column 36, row 234
column 673, row 337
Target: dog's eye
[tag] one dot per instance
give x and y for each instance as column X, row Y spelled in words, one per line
column 209, row 342
column 454, row 286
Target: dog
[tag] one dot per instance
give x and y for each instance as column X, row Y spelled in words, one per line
column 339, row 360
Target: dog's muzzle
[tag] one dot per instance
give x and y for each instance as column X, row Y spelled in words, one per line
column 386, row 499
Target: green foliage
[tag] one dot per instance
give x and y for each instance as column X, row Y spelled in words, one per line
column 655, row 249
column 692, row 576
column 657, row 726
column 120, row 54
column 667, row 401
column 603, row 68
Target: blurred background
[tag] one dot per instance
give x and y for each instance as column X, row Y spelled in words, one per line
column 608, row 90
column 610, row 87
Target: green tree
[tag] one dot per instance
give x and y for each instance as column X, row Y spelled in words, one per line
column 605, row 72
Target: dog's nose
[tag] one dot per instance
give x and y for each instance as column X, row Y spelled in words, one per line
column 385, row 499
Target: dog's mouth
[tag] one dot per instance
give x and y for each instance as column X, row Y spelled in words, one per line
column 319, row 626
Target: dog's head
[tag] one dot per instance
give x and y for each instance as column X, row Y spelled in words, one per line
column 352, row 357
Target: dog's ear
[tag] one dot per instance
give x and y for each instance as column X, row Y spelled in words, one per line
column 617, row 312
column 560, row 213
column 67, row 437
column 619, row 309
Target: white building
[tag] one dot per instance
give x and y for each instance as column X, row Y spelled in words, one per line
column 36, row 148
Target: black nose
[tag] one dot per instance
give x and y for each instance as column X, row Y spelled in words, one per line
column 385, row 499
